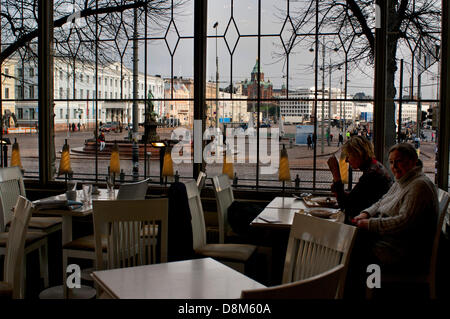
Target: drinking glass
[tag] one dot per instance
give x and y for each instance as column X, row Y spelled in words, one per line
column 110, row 186
column 87, row 193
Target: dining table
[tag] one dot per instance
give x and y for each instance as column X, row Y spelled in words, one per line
column 279, row 213
column 203, row 278
column 68, row 214
column 275, row 221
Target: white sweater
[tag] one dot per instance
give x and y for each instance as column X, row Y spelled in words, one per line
column 409, row 199
column 405, row 217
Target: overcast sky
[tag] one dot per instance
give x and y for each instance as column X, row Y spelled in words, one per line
column 245, row 50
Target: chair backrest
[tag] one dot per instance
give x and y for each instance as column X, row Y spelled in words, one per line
column 136, row 190
column 444, row 201
column 315, row 246
column 197, row 216
column 135, row 231
column 224, row 199
column 11, row 186
column 322, row 286
column 15, row 244
column 201, row 180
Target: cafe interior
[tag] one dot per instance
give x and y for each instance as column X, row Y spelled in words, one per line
column 152, row 212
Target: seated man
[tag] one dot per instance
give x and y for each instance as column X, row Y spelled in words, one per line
column 398, row 230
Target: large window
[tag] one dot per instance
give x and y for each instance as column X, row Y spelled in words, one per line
column 276, row 72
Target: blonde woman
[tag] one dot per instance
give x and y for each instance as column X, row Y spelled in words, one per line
column 372, row 185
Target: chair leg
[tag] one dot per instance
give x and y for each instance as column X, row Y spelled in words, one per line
column 369, row 293
column 432, row 288
column 65, row 288
column 23, row 279
column 43, row 261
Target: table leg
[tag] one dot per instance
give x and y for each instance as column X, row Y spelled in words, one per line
column 66, row 229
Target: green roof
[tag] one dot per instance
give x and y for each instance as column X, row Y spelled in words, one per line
column 255, row 68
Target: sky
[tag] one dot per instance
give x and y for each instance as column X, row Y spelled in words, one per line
column 241, row 52
column 237, row 55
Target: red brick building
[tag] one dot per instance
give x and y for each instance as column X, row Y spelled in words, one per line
column 250, row 88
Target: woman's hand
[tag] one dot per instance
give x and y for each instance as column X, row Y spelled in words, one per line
column 333, row 164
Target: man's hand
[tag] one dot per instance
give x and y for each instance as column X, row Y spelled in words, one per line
column 334, row 168
column 361, row 221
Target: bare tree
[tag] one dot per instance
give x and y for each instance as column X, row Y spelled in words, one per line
column 83, row 29
column 350, row 24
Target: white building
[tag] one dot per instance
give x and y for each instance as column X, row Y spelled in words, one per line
column 75, row 92
column 233, row 110
column 300, row 106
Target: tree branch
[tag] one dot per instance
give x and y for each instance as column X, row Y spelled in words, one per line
column 354, row 7
column 22, row 40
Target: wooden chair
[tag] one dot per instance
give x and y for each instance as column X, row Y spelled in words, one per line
column 234, row 255
column 11, row 188
column 321, row 286
column 124, row 226
column 15, row 250
column 131, row 191
column 201, row 181
column 224, row 199
column 429, row 277
column 84, row 247
column 315, row 246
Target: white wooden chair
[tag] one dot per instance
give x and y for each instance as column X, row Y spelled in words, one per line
column 130, row 191
column 224, row 199
column 11, row 188
column 84, row 247
column 201, row 178
column 15, row 249
column 233, row 255
column 315, row 246
column 321, row 286
column 428, row 277
column 124, row 226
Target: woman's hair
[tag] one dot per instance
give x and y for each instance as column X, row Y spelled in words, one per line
column 406, row 149
column 359, row 146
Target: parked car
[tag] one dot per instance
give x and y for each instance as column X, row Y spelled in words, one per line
column 108, row 127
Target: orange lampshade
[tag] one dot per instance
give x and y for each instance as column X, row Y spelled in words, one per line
column 167, row 164
column 64, row 164
column 284, row 173
column 15, row 156
column 227, row 167
column 114, row 162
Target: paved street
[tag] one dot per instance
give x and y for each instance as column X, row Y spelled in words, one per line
column 300, row 159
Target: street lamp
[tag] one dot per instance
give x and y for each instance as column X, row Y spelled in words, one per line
column 323, row 95
column 217, row 79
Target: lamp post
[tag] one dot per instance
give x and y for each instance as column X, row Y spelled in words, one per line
column 67, row 97
column 323, row 96
column 217, row 79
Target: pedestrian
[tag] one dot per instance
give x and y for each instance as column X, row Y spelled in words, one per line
column 432, row 136
column 348, row 135
column 331, row 138
column 309, row 141
column 79, row 126
column 101, row 140
column 73, row 127
column 340, row 139
column 314, row 138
